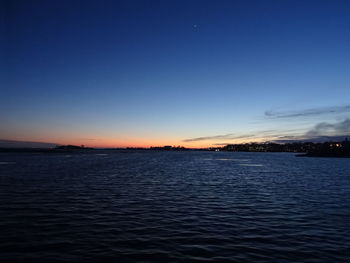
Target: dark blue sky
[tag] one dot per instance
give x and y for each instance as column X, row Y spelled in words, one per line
column 145, row 72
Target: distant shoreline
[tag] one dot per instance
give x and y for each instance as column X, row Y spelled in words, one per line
column 305, row 149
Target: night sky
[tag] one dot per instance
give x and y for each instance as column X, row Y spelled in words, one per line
column 191, row 73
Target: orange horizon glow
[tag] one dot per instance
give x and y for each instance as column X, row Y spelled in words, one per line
column 103, row 142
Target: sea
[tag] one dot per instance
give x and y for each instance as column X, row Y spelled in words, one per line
column 173, row 206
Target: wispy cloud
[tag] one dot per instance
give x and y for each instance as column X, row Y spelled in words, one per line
column 307, row 112
column 320, row 131
column 240, row 136
column 222, row 143
column 219, row 137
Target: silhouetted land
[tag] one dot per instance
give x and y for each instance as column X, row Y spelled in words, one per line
column 57, row 149
column 326, row 149
column 72, row 147
column 330, row 149
column 308, row 149
column 169, row 148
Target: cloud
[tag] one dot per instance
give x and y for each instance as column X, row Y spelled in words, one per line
column 205, row 138
column 220, row 137
column 226, row 143
column 308, row 112
column 247, row 136
column 322, row 131
column 325, row 128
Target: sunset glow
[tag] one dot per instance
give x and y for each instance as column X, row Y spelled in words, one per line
column 132, row 73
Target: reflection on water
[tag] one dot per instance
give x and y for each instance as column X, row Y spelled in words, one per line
column 143, row 206
column 7, row 163
column 251, row 164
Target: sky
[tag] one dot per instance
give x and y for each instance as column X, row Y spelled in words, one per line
column 190, row 73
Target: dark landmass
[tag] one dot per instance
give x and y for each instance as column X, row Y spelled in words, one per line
column 169, row 148
column 310, row 149
column 74, row 148
column 160, row 148
column 71, row 148
column 330, row 149
column 26, row 144
column 57, row 149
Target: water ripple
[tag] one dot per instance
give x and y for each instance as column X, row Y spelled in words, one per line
column 139, row 206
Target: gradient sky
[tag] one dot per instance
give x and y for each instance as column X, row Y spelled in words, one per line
column 191, row 73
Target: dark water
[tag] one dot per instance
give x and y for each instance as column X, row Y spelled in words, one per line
column 174, row 207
